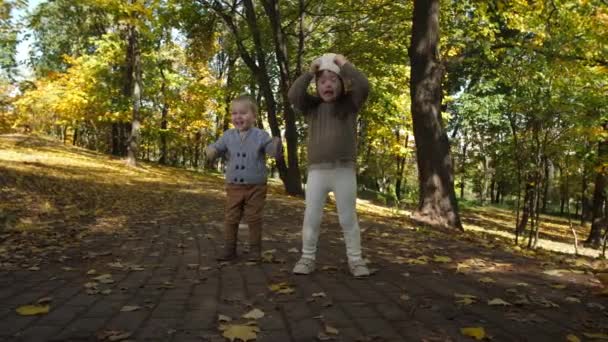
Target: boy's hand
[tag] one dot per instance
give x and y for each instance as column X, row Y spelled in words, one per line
column 314, row 66
column 210, row 152
column 340, row 60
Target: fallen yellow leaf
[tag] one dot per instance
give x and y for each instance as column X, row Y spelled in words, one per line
column 421, row 260
column 254, row 314
column 596, row 336
column 478, row 333
column 282, row 288
column 242, row 332
column 32, row 310
column 486, row 280
column 129, row 308
column 442, row 258
column 331, row 330
column 572, row 338
column 498, row 301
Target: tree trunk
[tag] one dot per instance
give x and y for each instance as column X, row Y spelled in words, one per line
column 584, row 202
column 292, row 178
column 526, row 211
column 400, row 169
column 598, row 222
column 463, row 162
column 492, row 188
column 437, row 202
column 163, row 120
column 545, row 186
column 197, row 148
column 133, row 141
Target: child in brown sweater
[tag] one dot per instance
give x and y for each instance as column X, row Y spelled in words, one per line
column 332, row 153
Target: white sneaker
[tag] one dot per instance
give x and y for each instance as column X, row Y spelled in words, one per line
column 358, row 268
column 304, row 266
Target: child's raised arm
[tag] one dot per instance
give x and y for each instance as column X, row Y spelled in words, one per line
column 358, row 83
column 298, row 94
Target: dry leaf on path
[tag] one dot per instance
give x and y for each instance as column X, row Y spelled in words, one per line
column 113, row 335
column 498, row 301
column 129, row 308
column 442, row 258
column 254, row 314
column 32, row 310
column 486, row 280
column 596, row 336
column 45, row 300
column 223, row 318
column 241, row 332
column 478, row 333
column 331, row 330
column 282, row 288
column 572, row 338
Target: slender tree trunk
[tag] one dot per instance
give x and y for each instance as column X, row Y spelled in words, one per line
column 133, row 141
column 545, row 185
column 598, row 221
column 492, row 188
column 292, row 178
column 526, row 211
column 401, row 169
column 163, row 119
column 463, row 164
column 437, row 202
column 197, row 148
column 75, row 137
column 584, row 204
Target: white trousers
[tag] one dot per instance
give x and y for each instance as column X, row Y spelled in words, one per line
column 343, row 183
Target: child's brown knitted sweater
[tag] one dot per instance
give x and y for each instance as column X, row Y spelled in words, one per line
column 332, row 126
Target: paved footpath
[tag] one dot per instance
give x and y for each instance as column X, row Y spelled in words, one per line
column 158, row 281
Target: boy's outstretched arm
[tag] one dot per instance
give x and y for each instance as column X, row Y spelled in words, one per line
column 356, row 80
column 216, row 149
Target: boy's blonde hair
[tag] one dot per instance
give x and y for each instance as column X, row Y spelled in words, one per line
column 249, row 101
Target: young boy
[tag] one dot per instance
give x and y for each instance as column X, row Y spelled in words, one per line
column 245, row 148
column 332, row 153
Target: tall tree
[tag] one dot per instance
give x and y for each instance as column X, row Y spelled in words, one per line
column 437, row 203
column 134, row 60
column 598, row 221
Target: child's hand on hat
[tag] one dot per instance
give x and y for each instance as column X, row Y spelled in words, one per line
column 340, row 60
column 315, row 65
